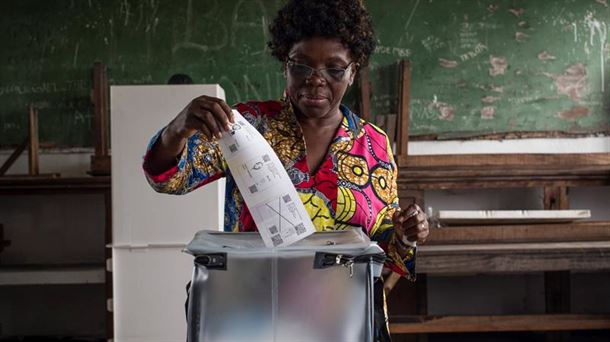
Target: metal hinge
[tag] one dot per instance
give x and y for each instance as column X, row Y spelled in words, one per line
column 324, row 260
column 212, row 261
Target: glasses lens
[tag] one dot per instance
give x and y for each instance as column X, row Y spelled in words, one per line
column 334, row 74
column 299, row 70
column 303, row 71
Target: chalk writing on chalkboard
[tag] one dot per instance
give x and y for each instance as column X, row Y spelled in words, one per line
column 479, row 66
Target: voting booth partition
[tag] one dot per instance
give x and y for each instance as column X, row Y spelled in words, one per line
column 150, row 230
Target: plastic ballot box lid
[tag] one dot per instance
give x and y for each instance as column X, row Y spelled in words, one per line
column 317, row 289
column 355, row 240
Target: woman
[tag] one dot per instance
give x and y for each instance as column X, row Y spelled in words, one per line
column 341, row 166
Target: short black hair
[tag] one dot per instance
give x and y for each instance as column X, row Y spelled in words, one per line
column 180, row 79
column 346, row 20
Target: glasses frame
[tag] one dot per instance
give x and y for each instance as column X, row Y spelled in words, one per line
column 321, row 71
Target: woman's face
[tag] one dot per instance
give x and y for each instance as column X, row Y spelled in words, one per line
column 318, row 94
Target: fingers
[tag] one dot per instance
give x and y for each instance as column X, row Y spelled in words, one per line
column 220, row 109
column 228, row 110
column 413, row 208
column 206, row 123
column 222, row 118
column 401, row 216
column 417, row 232
column 412, row 223
column 205, row 130
column 209, row 115
column 414, row 220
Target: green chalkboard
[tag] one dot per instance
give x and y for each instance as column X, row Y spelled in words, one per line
column 49, row 48
column 478, row 66
column 496, row 66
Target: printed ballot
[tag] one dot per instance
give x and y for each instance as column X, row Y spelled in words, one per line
column 265, row 186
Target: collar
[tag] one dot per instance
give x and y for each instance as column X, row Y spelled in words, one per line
column 351, row 122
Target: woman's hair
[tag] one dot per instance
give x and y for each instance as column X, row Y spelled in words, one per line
column 346, row 20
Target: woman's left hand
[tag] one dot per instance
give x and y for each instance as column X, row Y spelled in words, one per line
column 411, row 223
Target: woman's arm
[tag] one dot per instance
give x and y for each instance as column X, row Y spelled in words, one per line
column 205, row 114
column 396, row 229
column 400, row 256
column 185, row 155
column 165, row 151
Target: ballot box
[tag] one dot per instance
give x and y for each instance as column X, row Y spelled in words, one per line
column 318, row 289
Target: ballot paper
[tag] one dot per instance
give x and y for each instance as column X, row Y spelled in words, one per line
column 265, row 186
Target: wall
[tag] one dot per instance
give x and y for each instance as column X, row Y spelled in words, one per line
column 484, row 66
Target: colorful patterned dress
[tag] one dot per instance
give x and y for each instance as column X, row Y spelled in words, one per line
column 355, row 186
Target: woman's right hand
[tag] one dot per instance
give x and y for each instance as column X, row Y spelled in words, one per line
column 205, row 114
column 208, row 115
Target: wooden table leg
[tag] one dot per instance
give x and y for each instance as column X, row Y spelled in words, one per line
column 557, row 284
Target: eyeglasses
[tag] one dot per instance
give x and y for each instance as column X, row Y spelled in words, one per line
column 302, row 71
